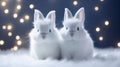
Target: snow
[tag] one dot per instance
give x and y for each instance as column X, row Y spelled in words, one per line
column 105, row 58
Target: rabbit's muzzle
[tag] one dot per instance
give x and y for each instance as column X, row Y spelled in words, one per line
column 71, row 33
column 43, row 35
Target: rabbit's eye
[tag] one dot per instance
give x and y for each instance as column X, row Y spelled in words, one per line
column 49, row 30
column 38, row 30
column 78, row 29
column 66, row 28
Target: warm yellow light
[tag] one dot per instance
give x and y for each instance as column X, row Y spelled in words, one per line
column 3, row 3
column 2, row 42
column 101, row 0
column 18, row 7
column 96, row 8
column 9, row 27
column 17, row 37
column 9, row 34
column 15, row 48
column 19, row 42
column 106, row 23
column 27, row 17
column 22, row 20
column 6, row 11
column 118, row 44
column 31, row 6
column 101, row 38
column 4, row 27
column 75, row 3
column 15, row 15
column 97, row 29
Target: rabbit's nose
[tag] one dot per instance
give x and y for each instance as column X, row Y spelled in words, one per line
column 43, row 35
column 71, row 33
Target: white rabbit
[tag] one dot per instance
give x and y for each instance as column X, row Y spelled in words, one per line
column 44, row 37
column 77, row 44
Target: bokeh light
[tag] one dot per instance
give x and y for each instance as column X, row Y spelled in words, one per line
column 18, row 7
column 97, row 29
column 15, row 15
column 6, row 11
column 17, row 37
column 27, row 17
column 22, row 20
column 2, row 42
column 118, row 44
column 19, row 42
column 101, row 38
column 101, row 0
column 15, row 48
column 4, row 27
column 31, row 6
column 9, row 34
column 9, row 27
column 3, row 3
column 96, row 8
column 106, row 23
column 75, row 3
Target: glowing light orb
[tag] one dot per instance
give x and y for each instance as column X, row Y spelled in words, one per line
column 9, row 27
column 96, row 8
column 17, row 37
column 97, row 29
column 15, row 15
column 106, row 23
column 15, row 48
column 18, row 7
column 27, row 17
column 75, row 3
column 101, row 0
column 19, row 42
column 101, row 38
column 6, row 11
column 31, row 6
column 22, row 20
column 9, row 34
column 3, row 3
column 118, row 44
column 4, row 27
column 2, row 42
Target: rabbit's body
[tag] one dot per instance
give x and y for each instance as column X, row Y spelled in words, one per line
column 45, row 38
column 77, row 43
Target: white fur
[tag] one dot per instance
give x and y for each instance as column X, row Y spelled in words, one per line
column 44, row 48
column 80, row 45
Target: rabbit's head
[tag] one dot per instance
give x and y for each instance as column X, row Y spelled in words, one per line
column 44, row 28
column 73, row 26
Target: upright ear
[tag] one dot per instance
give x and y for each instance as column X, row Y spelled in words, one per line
column 67, row 14
column 51, row 15
column 80, row 14
column 37, row 15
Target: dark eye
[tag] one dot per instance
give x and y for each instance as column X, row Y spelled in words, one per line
column 38, row 30
column 66, row 28
column 78, row 29
column 49, row 30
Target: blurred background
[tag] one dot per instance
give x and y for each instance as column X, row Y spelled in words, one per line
column 16, row 17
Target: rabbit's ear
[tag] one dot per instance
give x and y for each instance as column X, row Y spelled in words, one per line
column 51, row 15
column 80, row 14
column 67, row 14
column 37, row 15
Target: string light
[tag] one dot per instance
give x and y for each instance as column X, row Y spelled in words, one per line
column 21, row 20
column 15, row 15
column 9, row 34
column 19, row 42
column 18, row 7
column 2, row 42
column 97, row 29
column 96, row 8
column 118, row 44
column 106, row 23
column 31, row 6
column 17, row 37
column 4, row 27
column 75, row 3
column 101, row 38
column 9, row 27
column 27, row 17
column 3, row 3
column 15, row 48
column 6, row 11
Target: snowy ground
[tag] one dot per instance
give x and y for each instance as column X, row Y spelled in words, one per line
column 106, row 58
